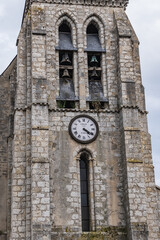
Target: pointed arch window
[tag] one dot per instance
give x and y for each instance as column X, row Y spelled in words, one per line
column 84, row 183
column 67, row 96
column 94, row 53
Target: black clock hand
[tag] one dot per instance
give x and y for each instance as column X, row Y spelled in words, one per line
column 90, row 133
column 86, row 130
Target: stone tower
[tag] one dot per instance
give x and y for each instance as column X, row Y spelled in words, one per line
column 75, row 140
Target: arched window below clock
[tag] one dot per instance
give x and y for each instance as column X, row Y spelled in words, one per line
column 86, row 171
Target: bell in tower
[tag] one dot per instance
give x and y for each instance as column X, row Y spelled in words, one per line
column 94, row 74
column 65, row 59
column 93, row 61
column 65, row 74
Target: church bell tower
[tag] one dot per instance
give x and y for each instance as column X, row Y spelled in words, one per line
column 80, row 152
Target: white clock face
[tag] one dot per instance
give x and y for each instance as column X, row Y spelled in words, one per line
column 83, row 129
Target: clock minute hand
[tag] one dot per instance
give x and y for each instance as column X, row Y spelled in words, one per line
column 84, row 129
column 87, row 131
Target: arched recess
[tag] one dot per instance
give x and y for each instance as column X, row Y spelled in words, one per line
column 95, row 55
column 67, row 82
column 86, row 178
column 72, row 25
column 95, row 20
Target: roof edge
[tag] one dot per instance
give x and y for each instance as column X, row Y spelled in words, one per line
column 26, row 7
column 8, row 66
column 158, row 187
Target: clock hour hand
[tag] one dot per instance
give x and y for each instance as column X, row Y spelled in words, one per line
column 90, row 133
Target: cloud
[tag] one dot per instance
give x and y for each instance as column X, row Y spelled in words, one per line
column 6, row 42
column 2, row 12
column 10, row 17
column 8, row 49
column 153, row 103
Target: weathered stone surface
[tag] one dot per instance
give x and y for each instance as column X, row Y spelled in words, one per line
column 44, row 196
column 7, row 96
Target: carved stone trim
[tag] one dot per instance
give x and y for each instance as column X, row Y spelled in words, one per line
column 81, row 110
column 108, row 3
column 100, row 110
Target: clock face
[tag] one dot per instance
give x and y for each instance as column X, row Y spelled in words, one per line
column 83, row 129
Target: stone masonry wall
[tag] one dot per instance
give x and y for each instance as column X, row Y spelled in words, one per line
column 7, row 93
column 46, row 178
column 65, row 185
column 158, row 193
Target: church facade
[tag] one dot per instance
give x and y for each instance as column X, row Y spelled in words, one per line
column 76, row 159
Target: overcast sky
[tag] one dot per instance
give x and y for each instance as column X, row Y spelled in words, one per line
column 145, row 18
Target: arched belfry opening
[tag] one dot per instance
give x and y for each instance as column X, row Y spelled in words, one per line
column 65, row 36
column 64, row 27
column 92, row 29
column 93, row 40
column 84, row 183
column 66, row 97
column 94, row 51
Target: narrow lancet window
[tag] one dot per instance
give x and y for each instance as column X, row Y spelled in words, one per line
column 84, row 179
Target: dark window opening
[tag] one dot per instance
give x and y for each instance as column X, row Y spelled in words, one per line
column 66, row 94
column 65, row 104
column 96, row 105
column 84, row 179
column 94, row 66
column 64, row 28
column 93, row 41
column 91, row 29
column 66, row 98
column 65, row 37
column 96, row 97
column 94, row 50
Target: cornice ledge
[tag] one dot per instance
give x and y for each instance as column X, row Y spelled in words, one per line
column 83, row 110
column 80, row 110
column 20, row 108
column 132, row 107
column 108, row 3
